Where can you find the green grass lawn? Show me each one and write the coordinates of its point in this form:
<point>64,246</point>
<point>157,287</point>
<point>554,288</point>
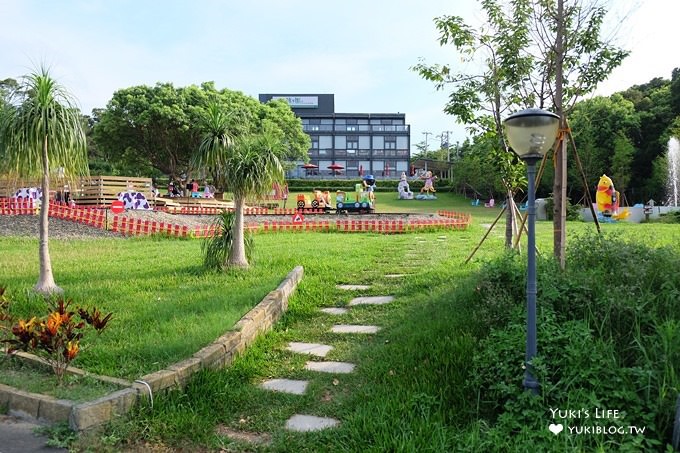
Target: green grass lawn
<point>165,308</point>
<point>393,401</point>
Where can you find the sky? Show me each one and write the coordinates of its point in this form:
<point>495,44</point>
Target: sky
<point>361,51</point>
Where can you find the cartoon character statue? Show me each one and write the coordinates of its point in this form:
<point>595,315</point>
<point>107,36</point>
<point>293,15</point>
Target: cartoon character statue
<point>369,186</point>
<point>429,182</point>
<point>428,187</point>
<point>403,188</point>
<point>607,197</point>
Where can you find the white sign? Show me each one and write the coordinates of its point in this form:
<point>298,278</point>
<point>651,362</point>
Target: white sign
<point>300,102</point>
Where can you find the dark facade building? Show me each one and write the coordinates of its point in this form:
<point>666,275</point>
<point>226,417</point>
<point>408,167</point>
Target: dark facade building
<point>361,143</point>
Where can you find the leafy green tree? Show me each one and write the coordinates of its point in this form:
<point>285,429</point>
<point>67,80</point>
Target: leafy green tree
<point>40,131</point>
<point>158,128</point>
<point>7,87</point>
<point>652,103</point>
<point>144,127</point>
<point>675,91</point>
<point>596,123</point>
<point>278,118</point>
<point>622,160</point>
<point>248,164</point>
<point>481,100</point>
<point>533,53</point>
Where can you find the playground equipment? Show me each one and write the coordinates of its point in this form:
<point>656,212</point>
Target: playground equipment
<point>607,198</point>
<point>319,200</point>
<point>360,201</point>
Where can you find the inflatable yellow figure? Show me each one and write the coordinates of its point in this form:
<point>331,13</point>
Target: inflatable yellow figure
<point>607,197</point>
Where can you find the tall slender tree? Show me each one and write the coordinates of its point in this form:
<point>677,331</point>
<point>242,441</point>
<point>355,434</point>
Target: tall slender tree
<point>40,132</point>
<point>532,53</point>
<point>248,164</point>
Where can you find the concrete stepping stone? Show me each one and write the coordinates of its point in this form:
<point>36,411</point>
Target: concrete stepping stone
<point>286,386</point>
<point>306,423</point>
<point>319,350</point>
<point>353,287</point>
<point>330,367</point>
<point>395,275</point>
<point>350,328</point>
<point>334,310</point>
<point>371,300</point>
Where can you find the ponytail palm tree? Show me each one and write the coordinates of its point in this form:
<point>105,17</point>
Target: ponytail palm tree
<point>248,164</point>
<point>41,129</point>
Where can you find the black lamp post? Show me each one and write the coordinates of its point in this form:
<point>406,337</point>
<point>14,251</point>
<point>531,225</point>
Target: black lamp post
<point>531,133</point>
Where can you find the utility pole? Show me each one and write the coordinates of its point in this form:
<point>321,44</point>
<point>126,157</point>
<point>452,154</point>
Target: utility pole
<point>426,134</point>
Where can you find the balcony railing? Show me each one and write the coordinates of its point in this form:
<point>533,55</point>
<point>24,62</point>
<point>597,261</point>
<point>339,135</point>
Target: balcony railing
<point>355,128</point>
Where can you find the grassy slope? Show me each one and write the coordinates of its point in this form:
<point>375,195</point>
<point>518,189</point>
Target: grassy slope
<point>405,395</point>
<point>394,391</point>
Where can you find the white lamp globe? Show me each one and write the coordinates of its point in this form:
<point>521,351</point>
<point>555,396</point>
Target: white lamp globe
<point>531,132</point>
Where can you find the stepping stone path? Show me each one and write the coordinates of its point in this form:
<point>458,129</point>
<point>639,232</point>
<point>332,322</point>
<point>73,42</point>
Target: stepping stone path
<point>330,367</point>
<point>371,300</point>
<point>319,350</point>
<point>353,287</point>
<point>346,328</point>
<point>306,423</point>
<point>286,386</point>
<point>395,275</point>
<point>334,310</point>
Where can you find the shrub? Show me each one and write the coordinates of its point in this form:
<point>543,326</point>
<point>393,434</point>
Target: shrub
<point>608,337</point>
<point>216,249</point>
<point>56,337</point>
<point>573,210</point>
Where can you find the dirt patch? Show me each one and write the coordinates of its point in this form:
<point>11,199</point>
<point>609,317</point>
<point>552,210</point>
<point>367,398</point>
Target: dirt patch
<point>243,436</point>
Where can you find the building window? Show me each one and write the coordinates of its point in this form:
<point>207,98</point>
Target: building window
<point>315,142</point>
<point>340,142</point>
<point>352,142</point>
<point>325,141</point>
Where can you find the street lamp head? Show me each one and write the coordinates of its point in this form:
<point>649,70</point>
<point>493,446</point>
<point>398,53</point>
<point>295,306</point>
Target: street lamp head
<point>531,132</point>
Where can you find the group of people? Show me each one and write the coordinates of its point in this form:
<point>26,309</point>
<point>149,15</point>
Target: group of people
<point>191,190</point>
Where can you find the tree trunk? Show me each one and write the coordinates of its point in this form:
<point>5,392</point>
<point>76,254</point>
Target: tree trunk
<point>509,220</point>
<point>46,284</point>
<point>560,183</point>
<point>237,255</point>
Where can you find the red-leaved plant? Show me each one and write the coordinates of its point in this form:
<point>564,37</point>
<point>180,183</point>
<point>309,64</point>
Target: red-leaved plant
<point>55,338</point>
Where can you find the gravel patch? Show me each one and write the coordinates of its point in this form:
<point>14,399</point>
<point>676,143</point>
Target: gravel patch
<point>28,225</point>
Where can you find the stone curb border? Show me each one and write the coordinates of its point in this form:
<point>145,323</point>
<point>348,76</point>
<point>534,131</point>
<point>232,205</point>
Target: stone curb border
<point>218,354</point>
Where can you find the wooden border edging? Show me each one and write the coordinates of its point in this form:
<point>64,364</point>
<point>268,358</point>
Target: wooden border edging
<point>218,354</point>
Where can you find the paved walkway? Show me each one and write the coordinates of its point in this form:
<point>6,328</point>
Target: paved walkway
<point>16,436</point>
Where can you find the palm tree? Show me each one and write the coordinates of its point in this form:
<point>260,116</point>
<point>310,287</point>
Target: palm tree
<point>41,129</point>
<point>248,164</point>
